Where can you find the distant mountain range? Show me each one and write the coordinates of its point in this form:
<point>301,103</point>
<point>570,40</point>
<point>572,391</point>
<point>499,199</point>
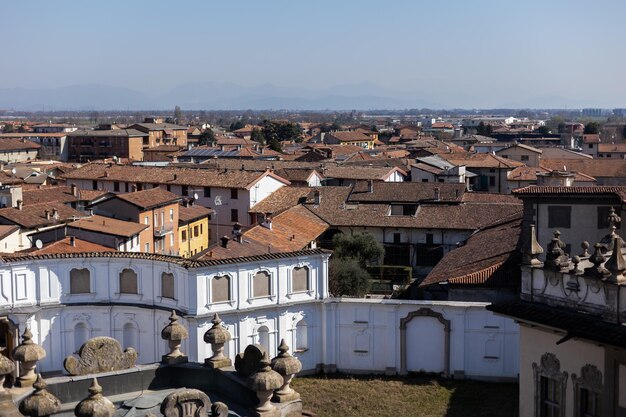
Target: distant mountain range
<point>211,96</point>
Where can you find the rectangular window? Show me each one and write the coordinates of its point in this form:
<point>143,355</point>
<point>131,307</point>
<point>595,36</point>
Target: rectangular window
<point>147,250</point>
<point>589,403</point>
<point>559,216</point>
<point>184,190</point>
<point>116,186</point>
<point>146,220</point>
<point>94,185</point>
<point>429,238</point>
<point>172,240</point>
<point>207,191</point>
<point>171,214</point>
<point>234,215</point>
<point>183,236</point>
<point>201,228</point>
<point>234,193</point>
<point>492,181</point>
<point>524,158</point>
<point>195,231</point>
<point>126,187</point>
<point>549,402</point>
<point>168,187</point>
<point>424,179</point>
<point>590,146</point>
<point>397,238</point>
<point>156,219</point>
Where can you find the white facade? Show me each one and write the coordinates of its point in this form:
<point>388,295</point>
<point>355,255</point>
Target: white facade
<point>354,335</point>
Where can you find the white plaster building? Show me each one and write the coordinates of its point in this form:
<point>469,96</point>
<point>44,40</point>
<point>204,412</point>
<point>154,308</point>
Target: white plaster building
<point>69,298</point>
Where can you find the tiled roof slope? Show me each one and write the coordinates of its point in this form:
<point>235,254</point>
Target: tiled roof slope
<point>594,167</point>
<point>108,226</point>
<point>34,215</point>
<point>617,190</point>
<point>489,257</point>
<point>481,160</point>
<point>9,144</point>
<point>281,200</point>
<point>146,199</point>
<point>169,175</point>
<point>46,194</point>
<point>183,262</point>
<point>407,192</point>
<point>193,212</point>
<point>65,246</point>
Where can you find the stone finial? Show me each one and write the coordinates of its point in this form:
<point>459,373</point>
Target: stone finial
<point>287,366</point>
<point>613,220</point>
<point>217,336</point>
<point>533,250</point>
<point>556,257</point>
<point>174,333</point>
<point>100,354</point>
<point>264,382</point>
<point>597,259</point>
<point>41,403</point>
<point>28,353</point>
<point>96,404</point>
<point>219,409</point>
<point>616,264</point>
<point>585,247</point>
<point>6,367</point>
<point>572,283</point>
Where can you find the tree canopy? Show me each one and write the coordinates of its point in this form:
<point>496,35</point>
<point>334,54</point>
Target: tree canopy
<point>257,136</point>
<point>347,273</point>
<point>592,128</point>
<point>484,129</point>
<point>207,137</point>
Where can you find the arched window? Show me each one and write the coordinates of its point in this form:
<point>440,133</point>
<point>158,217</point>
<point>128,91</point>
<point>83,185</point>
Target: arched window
<point>128,281</point>
<point>80,281</point>
<point>81,335</point>
<point>264,338</point>
<point>220,289</point>
<point>130,336</point>
<point>300,279</point>
<point>167,285</point>
<point>302,330</point>
<point>261,284</point>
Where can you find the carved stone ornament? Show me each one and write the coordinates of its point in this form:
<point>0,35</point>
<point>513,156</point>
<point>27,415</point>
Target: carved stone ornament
<point>96,404</point>
<point>532,250</point>
<point>248,362</point>
<point>597,259</point>
<point>174,333</point>
<point>264,382</point>
<point>590,379</point>
<point>556,258</point>
<point>28,353</point>
<point>219,409</point>
<point>616,264</point>
<point>6,367</point>
<point>100,354</point>
<point>186,402</point>
<point>287,366</point>
<point>217,336</point>
<point>41,403</point>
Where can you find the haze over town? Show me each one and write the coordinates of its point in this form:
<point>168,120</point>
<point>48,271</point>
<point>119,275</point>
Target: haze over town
<point>313,55</point>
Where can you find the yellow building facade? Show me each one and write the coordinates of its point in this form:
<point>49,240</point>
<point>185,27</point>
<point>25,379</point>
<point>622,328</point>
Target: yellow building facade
<point>193,230</point>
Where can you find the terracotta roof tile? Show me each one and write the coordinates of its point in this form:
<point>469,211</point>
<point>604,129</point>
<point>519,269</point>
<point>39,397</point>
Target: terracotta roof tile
<point>596,168</point>
<point>65,246</point>
<point>8,144</point>
<point>146,199</point>
<point>108,226</point>
<point>46,194</point>
<point>281,199</point>
<point>187,214</point>
<point>34,215</point>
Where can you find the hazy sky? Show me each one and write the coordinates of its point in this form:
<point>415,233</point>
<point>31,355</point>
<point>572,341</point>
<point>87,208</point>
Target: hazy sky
<point>457,51</point>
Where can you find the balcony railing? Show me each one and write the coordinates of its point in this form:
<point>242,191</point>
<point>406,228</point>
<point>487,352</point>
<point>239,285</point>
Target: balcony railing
<point>160,231</point>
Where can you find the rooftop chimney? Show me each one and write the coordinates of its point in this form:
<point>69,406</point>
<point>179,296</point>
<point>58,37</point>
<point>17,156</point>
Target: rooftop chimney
<point>72,241</point>
<point>437,194</point>
<point>175,177</point>
<point>370,186</point>
<point>224,241</point>
<point>267,223</point>
<point>20,204</point>
<point>317,197</point>
<point>133,188</point>
<point>55,214</point>
<point>74,189</point>
<point>47,214</point>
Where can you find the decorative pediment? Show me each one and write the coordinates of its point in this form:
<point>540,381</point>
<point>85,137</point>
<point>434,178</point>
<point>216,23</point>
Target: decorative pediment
<point>100,354</point>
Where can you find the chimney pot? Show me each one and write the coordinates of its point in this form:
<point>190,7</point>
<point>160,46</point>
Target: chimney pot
<point>20,204</point>
<point>72,241</point>
<point>74,189</point>
<point>224,241</point>
<point>317,197</point>
<point>437,194</point>
<point>370,186</point>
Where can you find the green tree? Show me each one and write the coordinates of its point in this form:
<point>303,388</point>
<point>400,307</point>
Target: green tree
<point>484,129</point>
<point>237,125</point>
<point>8,128</point>
<point>276,132</point>
<point>178,114</point>
<point>361,246</point>
<point>207,137</point>
<point>544,130</point>
<point>257,136</point>
<point>592,128</point>
<point>347,277</point>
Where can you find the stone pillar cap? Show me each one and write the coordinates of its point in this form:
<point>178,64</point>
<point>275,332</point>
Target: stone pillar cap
<point>284,363</point>
<point>174,331</point>
<point>41,403</point>
<point>28,351</point>
<point>95,405</point>
<point>265,379</point>
<point>217,333</point>
<point>6,365</point>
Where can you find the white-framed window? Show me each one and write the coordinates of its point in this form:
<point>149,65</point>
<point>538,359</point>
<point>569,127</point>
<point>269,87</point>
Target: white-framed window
<point>221,288</point>
<point>300,281</point>
<point>167,285</point>
<point>261,284</point>
<point>80,281</point>
<point>171,214</point>
<point>130,336</point>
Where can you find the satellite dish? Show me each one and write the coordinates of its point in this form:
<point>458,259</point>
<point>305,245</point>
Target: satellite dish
<point>13,171</point>
<point>195,196</point>
<point>218,200</point>
<point>39,244</point>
